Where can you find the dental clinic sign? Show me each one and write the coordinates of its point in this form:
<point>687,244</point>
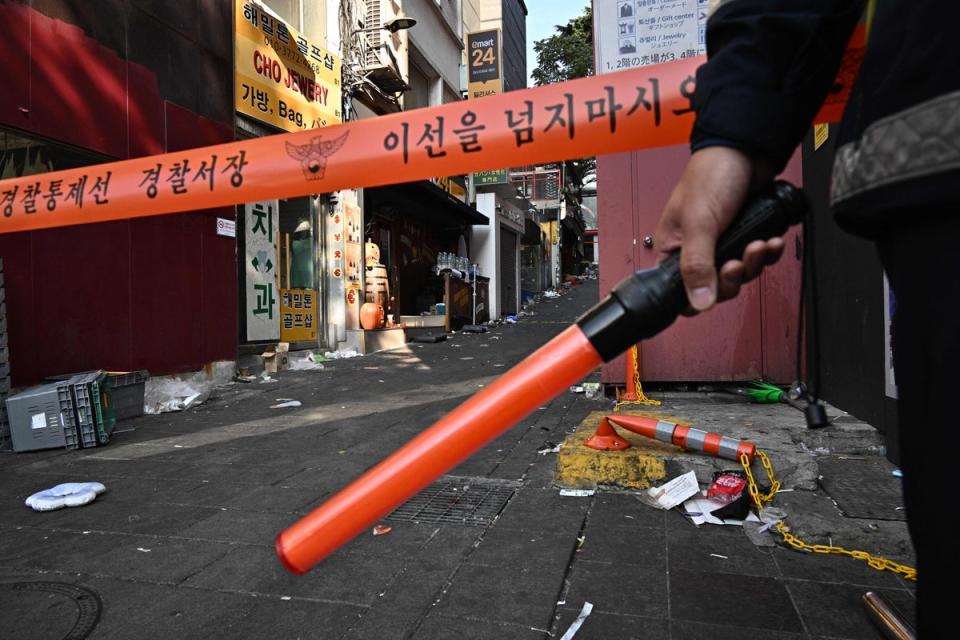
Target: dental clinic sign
<point>282,78</point>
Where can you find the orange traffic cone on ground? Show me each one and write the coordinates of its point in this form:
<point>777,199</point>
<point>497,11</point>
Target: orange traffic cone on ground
<point>681,435</point>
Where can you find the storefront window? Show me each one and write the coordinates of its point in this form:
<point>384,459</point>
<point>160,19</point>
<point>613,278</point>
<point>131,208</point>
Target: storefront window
<point>24,156</point>
<point>298,246</point>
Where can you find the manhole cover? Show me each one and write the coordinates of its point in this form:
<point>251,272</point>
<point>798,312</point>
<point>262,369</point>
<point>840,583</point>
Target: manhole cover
<point>47,610</point>
<point>458,500</point>
<point>863,488</point>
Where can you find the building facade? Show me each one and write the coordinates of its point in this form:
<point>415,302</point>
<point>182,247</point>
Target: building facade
<point>91,82</point>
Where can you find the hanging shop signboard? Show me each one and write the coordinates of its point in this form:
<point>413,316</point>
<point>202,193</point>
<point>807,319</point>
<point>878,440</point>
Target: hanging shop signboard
<point>298,315</point>
<point>637,34</point>
<point>484,73</point>
<point>260,223</point>
<point>282,77</point>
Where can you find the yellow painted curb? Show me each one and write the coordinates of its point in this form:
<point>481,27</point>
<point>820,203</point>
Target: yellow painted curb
<point>639,467</point>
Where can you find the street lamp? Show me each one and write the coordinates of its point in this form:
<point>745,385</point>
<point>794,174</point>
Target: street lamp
<point>399,24</point>
<point>395,25</point>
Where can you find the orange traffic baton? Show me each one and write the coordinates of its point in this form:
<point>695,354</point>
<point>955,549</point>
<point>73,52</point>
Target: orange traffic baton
<point>681,435</point>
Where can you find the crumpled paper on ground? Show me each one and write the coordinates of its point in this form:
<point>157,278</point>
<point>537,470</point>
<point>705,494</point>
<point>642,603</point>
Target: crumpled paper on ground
<point>162,395</point>
<point>338,355</point>
<point>307,363</point>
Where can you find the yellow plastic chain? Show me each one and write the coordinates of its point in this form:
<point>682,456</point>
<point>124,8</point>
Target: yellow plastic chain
<point>642,399</point>
<point>877,562</point>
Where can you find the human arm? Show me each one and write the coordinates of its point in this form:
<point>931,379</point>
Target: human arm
<point>771,63</point>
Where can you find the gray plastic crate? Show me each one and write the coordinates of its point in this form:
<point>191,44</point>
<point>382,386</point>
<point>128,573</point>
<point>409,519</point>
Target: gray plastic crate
<point>83,401</point>
<point>42,418</point>
<point>126,393</point>
<point>92,390</point>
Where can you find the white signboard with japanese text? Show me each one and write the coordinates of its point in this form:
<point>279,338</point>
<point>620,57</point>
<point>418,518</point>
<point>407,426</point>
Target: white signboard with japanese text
<point>637,33</point>
<point>260,224</point>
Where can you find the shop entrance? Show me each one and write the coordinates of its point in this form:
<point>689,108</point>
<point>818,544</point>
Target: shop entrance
<point>280,273</point>
<point>508,271</point>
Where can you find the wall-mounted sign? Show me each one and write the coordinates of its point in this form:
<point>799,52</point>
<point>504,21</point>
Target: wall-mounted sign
<point>353,262</point>
<point>260,224</point>
<point>454,185</point>
<point>484,73</point>
<point>298,315</point>
<point>282,78</point>
<point>636,34</point>
<point>226,228</point>
<point>497,176</point>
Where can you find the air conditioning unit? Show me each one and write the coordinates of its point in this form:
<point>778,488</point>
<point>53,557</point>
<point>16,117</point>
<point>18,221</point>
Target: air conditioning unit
<point>380,60</point>
<point>373,34</point>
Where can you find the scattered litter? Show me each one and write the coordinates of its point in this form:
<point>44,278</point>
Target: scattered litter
<point>339,355</point>
<point>141,549</point>
<point>247,378</point>
<point>379,380</point>
<point>717,555</point>
<point>68,494</point>
<point>499,365</point>
<point>672,493</point>
<point>577,389</point>
<point>580,541</point>
<point>759,534</point>
<point>381,530</point>
<point>265,378</point>
<point>342,452</point>
<point>163,395</point>
<point>727,486</point>
<point>510,319</point>
<point>285,598</point>
<point>577,493</point>
<point>551,294</point>
<point>307,363</point>
<point>897,473</point>
<point>467,358</point>
<point>285,403</point>
<point>549,447</point>
<point>591,390</point>
<point>576,624</point>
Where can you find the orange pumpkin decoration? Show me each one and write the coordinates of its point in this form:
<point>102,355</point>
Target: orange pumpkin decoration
<point>372,315</point>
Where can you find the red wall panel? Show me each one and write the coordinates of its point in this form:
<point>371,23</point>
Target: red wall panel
<point>15,61</point>
<point>81,302</point>
<point>78,88</point>
<point>743,339</point>
<point>157,293</point>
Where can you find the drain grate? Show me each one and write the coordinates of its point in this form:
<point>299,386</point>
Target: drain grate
<point>458,500</point>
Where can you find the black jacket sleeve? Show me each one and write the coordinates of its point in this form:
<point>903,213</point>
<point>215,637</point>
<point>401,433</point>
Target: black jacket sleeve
<point>770,66</point>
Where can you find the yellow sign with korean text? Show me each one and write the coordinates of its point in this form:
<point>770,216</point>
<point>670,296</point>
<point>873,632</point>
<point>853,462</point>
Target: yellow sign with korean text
<point>282,78</point>
<point>454,185</point>
<point>298,315</point>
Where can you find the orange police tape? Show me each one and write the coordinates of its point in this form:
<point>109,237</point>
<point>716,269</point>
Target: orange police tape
<point>636,109</point>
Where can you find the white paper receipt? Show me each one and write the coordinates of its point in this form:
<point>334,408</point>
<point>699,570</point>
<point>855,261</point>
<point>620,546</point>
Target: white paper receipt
<point>676,491</point>
<point>38,421</point>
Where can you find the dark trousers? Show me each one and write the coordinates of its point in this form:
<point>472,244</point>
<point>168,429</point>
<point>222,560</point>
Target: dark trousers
<point>922,261</point>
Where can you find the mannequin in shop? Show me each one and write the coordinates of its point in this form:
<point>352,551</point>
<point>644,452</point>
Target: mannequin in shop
<point>301,257</point>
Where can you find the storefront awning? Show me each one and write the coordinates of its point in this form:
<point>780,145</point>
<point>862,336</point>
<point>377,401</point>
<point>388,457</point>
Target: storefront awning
<point>426,201</point>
